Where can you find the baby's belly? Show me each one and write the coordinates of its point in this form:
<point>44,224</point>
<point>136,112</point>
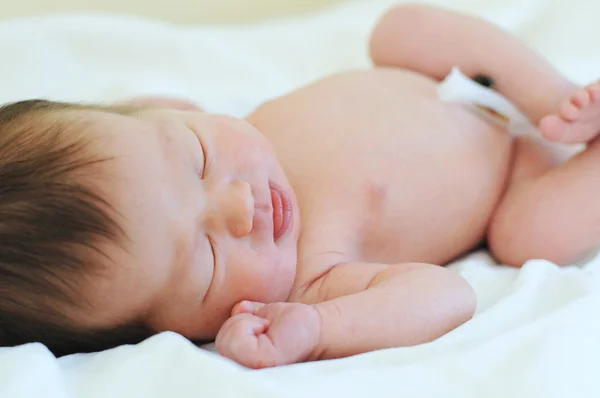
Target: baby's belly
<point>375,153</point>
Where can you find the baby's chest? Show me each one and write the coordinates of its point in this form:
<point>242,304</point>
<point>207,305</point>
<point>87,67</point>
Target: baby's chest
<point>368,127</point>
<point>401,191</point>
<point>386,170</point>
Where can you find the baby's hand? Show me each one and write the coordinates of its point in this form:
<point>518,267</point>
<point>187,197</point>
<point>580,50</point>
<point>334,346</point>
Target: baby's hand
<point>264,335</point>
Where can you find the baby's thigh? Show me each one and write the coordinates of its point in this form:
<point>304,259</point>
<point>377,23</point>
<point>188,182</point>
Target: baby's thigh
<point>549,208</point>
<point>534,157</point>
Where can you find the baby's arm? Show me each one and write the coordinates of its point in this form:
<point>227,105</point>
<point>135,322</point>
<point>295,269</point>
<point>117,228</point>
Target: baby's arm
<point>432,40</point>
<point>364,307</point>
<point>354,308</point>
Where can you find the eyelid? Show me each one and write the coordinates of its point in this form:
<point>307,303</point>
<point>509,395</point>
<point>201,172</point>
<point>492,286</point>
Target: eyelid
<point>212,248</point>
<point>204,152</point>
<point>213,251</point>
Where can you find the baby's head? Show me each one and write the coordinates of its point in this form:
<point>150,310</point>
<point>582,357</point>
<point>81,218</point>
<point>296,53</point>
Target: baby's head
<point>118,223</point>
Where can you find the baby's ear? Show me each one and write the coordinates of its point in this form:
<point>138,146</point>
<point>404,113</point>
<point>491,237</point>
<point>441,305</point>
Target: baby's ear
<point>161,102</point>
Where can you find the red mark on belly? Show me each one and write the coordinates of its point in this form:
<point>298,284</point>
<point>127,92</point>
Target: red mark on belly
<point>376,196</point>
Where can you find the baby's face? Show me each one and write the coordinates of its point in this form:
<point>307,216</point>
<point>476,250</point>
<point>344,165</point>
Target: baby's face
<point>210,218</point>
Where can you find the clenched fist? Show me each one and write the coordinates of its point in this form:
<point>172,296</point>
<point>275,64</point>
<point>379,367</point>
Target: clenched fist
<point>264,335</point>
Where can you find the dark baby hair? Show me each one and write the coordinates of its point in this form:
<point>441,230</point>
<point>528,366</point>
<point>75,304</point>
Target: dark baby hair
<point>52,221</point>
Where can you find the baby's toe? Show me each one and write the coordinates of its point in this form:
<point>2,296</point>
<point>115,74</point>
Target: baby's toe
<point>553,128</point>
<point>594,91</point>
<point>581,98</point>
<point>569,112</point>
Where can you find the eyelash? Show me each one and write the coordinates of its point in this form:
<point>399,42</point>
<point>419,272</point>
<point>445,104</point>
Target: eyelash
<point>212,249</point>
<point>205,162</point>
<point>201,172</point>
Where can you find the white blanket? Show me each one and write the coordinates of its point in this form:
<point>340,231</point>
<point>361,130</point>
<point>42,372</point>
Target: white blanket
<point>537,329</point>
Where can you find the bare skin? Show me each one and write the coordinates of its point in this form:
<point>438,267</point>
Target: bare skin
<point>577,119</point>
<point>385,182</point>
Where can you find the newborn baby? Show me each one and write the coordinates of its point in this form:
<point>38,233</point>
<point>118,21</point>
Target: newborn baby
<point>313,229</point>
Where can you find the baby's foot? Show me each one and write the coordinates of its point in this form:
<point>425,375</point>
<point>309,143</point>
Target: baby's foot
<point>578,120</point>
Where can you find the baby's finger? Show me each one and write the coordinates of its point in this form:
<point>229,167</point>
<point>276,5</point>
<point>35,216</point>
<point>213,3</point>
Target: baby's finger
<point>238,326</point>
<point>246,307</point>
<point>238,336</point>
<point>254,325</point>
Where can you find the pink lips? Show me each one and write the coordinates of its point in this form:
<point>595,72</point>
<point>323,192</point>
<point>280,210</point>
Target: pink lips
<point>282,211</point>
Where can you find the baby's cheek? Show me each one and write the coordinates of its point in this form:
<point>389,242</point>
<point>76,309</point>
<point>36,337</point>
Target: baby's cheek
<point>248,278</point>
<point>243,276</point>
<point>264,276</point>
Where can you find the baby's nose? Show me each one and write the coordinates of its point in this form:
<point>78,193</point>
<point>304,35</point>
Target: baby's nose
<point>235,208</point>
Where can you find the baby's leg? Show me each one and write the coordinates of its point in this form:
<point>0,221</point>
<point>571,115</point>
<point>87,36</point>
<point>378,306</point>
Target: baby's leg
<point>550,209</point>
<point>432,40</point>
<point>553,214</point>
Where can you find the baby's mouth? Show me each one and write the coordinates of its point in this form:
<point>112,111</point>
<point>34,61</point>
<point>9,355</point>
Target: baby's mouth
<point>282,211</point>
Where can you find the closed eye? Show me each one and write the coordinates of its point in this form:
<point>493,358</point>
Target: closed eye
<point>214,256</point>
<point>212,249</point>
<point>201,166</point>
